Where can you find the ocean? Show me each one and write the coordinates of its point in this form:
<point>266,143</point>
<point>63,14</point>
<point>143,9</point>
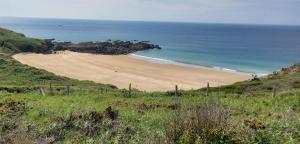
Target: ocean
<point>259,49</point>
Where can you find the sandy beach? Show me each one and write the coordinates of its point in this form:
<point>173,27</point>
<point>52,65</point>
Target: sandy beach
<point>122,69</point>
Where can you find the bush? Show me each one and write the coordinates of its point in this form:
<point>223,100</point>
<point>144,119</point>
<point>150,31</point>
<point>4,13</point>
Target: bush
<point>89,125</point>
<point>262,137</point>
<point>202,124</point>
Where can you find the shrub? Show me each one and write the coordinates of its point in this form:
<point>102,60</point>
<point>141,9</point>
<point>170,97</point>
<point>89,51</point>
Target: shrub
<point>262,137</point>
<point>202,124</point>
<point>89,125</point>
<point>255,123</point>
<point>10,112</point>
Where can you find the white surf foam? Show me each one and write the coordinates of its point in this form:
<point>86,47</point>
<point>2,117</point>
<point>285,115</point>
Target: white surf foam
<point>165,61</point>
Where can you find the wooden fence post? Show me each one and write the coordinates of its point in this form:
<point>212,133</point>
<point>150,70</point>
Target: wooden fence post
<point>50,88</point>
<point>176,90</point>
<point>207,89</point>
<point>68,89</point>
<point>42,92</point>
<point>219,90</point>
<point>274,92</point>
<point>129,90</point>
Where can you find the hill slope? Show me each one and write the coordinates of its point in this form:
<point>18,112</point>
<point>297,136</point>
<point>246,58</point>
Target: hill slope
<point>11,42</point>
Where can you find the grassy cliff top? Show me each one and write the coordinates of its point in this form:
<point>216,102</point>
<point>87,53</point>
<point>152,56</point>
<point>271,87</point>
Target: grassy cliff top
<point>11,42</point>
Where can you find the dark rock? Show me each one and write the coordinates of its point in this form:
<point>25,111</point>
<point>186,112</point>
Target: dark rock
<point>108,47</point>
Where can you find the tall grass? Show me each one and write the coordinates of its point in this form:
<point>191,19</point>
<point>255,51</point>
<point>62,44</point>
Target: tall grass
<point>207,123</point>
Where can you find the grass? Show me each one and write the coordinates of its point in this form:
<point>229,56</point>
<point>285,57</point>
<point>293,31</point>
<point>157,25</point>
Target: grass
<point>244,112</point>
<point>206,123</point>
<point>11,42</point>
<point>150,115</point>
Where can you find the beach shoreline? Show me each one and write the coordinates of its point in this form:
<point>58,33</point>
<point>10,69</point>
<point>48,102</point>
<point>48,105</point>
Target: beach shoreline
<point>165,61</point>
<point>120,70</point>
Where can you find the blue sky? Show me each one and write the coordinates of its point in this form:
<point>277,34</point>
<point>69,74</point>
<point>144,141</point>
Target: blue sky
<point>281,12</point>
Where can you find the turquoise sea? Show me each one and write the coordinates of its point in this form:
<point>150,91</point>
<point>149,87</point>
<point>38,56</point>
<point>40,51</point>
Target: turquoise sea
<point>258,49</point>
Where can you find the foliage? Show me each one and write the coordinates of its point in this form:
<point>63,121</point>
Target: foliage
<point>207,123</point>
<point>16,42</point>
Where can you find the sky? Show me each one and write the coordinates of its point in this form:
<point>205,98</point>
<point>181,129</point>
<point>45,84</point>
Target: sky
<point>276,12</point>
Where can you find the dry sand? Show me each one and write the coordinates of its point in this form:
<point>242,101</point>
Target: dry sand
<point>122,70</point>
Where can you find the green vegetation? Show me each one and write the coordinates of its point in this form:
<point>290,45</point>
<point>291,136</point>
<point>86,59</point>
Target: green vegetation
<point>244,112</point>
<point>11,42</point>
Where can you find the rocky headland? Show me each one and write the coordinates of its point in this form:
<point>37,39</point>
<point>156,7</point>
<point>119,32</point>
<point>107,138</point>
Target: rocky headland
<point>107,47</point>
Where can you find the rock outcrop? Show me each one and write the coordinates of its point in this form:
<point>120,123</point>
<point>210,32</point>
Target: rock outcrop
<point>107,47</point>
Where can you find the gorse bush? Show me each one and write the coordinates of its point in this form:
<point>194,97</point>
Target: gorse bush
<point>207,123</point>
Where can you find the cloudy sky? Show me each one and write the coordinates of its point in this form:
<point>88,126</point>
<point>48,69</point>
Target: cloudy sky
<point>221,11</point>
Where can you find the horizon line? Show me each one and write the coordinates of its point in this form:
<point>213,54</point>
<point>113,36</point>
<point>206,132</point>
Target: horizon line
<point>153,21</point>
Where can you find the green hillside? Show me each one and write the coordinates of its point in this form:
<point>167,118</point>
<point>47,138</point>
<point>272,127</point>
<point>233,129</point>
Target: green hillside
<point>245,112</point>
<point>11,42</point>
